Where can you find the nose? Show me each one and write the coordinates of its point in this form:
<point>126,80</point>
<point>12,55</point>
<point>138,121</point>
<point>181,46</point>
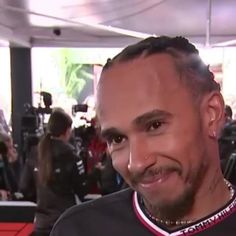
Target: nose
<point>140,156</point>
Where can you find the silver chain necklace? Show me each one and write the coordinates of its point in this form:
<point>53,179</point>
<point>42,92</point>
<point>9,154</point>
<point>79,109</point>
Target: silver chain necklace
<point>184,222</point>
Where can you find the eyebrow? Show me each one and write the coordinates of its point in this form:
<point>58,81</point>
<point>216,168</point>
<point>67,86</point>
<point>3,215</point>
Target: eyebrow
<point>138,121</point>
<point>106,133</point>
<point>158,114</point>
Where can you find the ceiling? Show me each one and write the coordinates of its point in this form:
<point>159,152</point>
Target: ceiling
<point>115,23</point>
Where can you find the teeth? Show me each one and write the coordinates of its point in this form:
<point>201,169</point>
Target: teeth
<point>156,175</point>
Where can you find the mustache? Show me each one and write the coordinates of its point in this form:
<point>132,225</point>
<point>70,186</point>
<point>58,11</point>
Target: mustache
<point>153,173</point>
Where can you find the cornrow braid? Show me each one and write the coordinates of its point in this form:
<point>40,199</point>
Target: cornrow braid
<point>192,69</point>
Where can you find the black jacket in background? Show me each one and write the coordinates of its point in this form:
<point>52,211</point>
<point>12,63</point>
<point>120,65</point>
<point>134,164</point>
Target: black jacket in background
<point>68,179</point>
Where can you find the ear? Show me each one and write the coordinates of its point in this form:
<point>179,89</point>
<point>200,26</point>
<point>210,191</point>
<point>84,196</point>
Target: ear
<point>213,114</point>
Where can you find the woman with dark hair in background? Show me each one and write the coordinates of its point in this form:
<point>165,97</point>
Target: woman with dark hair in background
<point>58,172</point>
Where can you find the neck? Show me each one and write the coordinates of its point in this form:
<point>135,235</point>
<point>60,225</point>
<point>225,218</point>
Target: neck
<point>220,190</point>
<point>216,188</point>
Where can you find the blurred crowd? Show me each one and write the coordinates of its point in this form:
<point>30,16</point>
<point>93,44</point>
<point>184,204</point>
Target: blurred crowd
<point>65,167</point>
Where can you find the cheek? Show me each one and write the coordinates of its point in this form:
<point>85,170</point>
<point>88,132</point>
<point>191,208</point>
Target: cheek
<point>189,150</point>
<point>181,147</point>
<point>120,160</point>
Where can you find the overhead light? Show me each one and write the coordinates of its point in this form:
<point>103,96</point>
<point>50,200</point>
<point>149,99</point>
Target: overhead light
<point>226,43</point>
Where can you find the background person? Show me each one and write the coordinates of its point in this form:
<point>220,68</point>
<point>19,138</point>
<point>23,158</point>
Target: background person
<point>58,174</point>
<point>228,114</point>
<point>10,168</point>
<point>227,146</point>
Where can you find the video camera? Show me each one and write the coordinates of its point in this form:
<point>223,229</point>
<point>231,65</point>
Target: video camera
<point>79,108</point>
<point>31,120</point>
<point>32,123</point>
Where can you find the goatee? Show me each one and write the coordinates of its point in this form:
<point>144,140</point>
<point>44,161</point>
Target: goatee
<point>174,210</point>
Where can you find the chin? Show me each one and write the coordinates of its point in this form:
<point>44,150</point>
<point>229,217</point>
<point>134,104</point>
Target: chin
<point>163,196</point>
<point>171,207</point>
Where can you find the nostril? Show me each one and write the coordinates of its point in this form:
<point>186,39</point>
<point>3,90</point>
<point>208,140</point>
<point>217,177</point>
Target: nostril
<point>141,162</point>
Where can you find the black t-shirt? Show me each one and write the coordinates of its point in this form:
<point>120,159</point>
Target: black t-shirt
<point>121,214</point>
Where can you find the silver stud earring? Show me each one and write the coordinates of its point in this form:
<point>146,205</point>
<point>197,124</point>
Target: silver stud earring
<point>213,134</point>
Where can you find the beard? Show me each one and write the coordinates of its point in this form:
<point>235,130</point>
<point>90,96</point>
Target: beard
<point>179,207</point>
<point>173,210</point>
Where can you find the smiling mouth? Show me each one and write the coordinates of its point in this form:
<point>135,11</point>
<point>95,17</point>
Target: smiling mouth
<point>157,178</point>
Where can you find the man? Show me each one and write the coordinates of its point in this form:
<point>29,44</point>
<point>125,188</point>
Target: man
<point>160,112</point>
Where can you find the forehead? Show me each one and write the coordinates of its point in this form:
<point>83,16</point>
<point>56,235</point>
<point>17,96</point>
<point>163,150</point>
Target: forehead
<point>138,86</point>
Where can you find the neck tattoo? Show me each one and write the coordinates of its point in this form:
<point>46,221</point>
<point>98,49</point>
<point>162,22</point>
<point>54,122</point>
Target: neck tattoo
<point>183,222</point>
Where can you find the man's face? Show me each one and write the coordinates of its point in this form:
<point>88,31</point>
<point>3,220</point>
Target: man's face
<point>153,129</point>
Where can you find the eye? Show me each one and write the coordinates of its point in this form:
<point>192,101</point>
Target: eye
<point>154,125</point>
<point>116,140</point>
